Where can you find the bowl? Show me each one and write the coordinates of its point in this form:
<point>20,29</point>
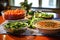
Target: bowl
<point>15,27</point>
<point>13,14</point>
<point>48,26</point>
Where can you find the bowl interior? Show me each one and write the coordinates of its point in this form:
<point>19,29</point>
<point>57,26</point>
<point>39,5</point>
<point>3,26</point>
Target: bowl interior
<point>50,25</point>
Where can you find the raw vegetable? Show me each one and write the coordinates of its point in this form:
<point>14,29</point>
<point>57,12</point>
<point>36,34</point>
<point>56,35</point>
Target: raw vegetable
<point>43,15</point>
<point>32,20</point>
<point>16,25</point>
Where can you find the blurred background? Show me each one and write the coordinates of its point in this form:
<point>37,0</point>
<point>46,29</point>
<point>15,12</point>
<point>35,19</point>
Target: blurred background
<point>42,5</point>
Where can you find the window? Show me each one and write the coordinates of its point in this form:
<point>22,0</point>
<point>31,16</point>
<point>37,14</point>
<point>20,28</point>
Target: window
<point>49,3</point>
<point>17,2</point>
<point>35,2</point>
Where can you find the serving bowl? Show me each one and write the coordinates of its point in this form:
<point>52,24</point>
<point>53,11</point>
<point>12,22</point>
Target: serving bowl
<point>48,26</point>
<point>15,27</point>
<point>13,14</point>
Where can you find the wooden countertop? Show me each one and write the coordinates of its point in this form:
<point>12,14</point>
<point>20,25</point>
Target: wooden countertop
<point>10,37</point>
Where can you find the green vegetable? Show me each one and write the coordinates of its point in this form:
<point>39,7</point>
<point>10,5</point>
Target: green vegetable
<point>43,15</point>
<point>32,20</point>
<point>31,13</point>
<point>25,5</point>
<point>16,25</point>
<point>31,26</point>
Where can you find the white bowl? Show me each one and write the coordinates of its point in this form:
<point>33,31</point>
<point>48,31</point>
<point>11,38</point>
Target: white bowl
<point>19,31</point>
<point>48,30</point>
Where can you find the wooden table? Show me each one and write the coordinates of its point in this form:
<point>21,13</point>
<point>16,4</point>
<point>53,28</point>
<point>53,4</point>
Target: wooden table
<point>10,37</point>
